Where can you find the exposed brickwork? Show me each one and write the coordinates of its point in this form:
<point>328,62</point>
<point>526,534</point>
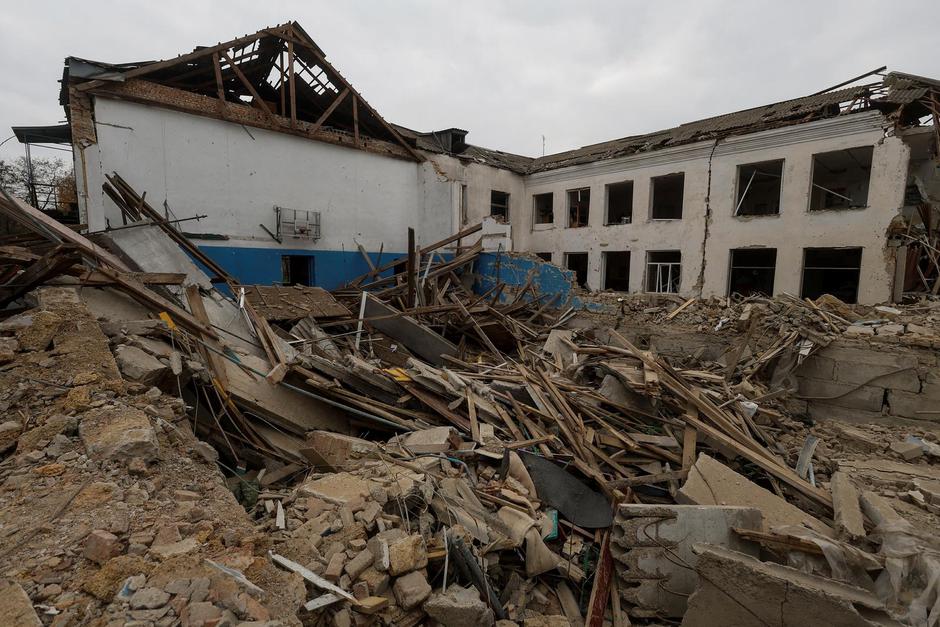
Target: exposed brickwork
<point>82,118</point>
<point>146,92</point>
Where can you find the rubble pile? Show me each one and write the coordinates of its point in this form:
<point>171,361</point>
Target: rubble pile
<point>824,319</point>
<point>179,449</point>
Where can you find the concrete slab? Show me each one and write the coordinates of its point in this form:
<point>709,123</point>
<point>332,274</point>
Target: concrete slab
<point>653,578</point>
<point>712,483</point>
<point>737,590</point>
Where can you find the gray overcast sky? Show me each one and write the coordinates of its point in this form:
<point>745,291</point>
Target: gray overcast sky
<point>509,72</point>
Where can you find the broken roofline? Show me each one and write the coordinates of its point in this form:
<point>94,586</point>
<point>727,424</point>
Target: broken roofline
<point>278,71</point>
<point>228,72</point>
<point>890,96</point>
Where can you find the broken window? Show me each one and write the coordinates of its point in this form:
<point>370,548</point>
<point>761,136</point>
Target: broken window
<point>619,203</point>
<point>663,271</point>
<point>759,188</point>
<point>578,263</point>
<point>840,179</point>
<point>297,269</point>
<point>666,196</point>
<point>617,270</point>
<point>579,207</point>
<point>543,209</point>
<point>544,256</point>
<point>752,271</point>
<point>832,271</point>
<point>499,204</point>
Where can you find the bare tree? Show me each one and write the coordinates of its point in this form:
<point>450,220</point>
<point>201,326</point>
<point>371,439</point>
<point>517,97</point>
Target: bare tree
<point>45,180</point>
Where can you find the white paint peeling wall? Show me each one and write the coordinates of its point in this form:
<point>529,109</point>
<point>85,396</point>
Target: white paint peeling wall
<point>789,232</point>
<point>236,175</point>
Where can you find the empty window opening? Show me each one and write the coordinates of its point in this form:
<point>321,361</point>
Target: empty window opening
<point>578,263</point>
<point>297,270</point>
<point>544,256</point>
<point>759,188</point>
<point>579,207</point>
<point>617,270</point>
<point>752,271</point>
<point>833,271</point>
<point>542,206</point>
<point>840,179</point>
<point>463,204</point>
<point>619,203</point>
<point>666,196</point>
<point>499,204</point>
<point>663,271</point>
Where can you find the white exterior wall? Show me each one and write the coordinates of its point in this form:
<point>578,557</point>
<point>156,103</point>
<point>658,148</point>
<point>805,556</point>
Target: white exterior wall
<point>789,232</point>
<point>236,175</point>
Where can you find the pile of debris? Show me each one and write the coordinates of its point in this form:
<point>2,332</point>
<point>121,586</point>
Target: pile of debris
<point>405,450</point>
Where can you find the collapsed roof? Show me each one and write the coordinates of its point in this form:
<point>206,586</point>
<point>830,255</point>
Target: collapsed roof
<point>283,72</point>
<point>280,71</point>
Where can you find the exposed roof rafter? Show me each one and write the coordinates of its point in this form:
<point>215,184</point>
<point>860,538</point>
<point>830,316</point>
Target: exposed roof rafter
<point>280,71</point>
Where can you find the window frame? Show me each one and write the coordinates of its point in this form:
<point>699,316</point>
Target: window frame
<point>578,190</point>
<point>739,200</point>
<point>659,264</point>
<point>652,201</point>
<point>505,216</point>
<point>535,210</point>
<point>607,187</point>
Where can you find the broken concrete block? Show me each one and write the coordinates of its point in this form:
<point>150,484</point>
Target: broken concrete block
<point>859,330</point>
<point>15,606</point>
<point>877,508</point>
<point>459,607</point>
<point>101,545</point>
<point>334,451</point>
<point>907,449</point>
<point>340,488</point>
<point>848,512</point>
<point>356,565</point>
<point>118,433</point>
<point>411,590</point>
<point>371,605</point>
<point>434,440</point>
<point>138,365</point>
<point>737,590</point>
<point>712,483</point>
<point>149,599</point>
<point>334,569</point>
<point>406,555</point>
<point>657,581</point>
<point>890,329</point>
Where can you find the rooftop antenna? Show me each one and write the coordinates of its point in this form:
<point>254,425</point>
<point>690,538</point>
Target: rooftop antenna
<point>543,145</point>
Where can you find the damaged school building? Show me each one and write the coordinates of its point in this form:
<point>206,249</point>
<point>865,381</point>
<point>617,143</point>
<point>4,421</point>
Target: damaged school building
<point>289,363</point>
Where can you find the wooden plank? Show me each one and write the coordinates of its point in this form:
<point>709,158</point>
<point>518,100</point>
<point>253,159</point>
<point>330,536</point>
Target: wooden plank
<point>659,477</point>
<point>689,438</point>
<point>675,312</point>
<point>256,98</point>
<point>410,269</point>
<point>38,222</point>
<point>329,110</point>
<point>93,277</point>
<point>49,265</point>
<point>158,303</point>
<point>312,577</point>
<point>600,593</point>
<point>472,412</point>
<point>214,361</point>
<point>355,107</point>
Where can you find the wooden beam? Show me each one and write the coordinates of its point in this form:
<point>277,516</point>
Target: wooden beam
<point>244,81</point>
<point>311,46</point>
<point>217,67</point>
<point>183,58</point>
<point>212,358</point>
<point>49,265</point>
<point>291,80</point>
<point>410,270</point>
<point>329,110</point>
<point>355,105</point>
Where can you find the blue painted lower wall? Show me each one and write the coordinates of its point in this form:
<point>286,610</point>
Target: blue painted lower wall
<point>262,266</point>
<point>515,270</point>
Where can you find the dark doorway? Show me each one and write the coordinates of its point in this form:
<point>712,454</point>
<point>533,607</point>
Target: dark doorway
<point>752,271</point>
<point>833,271</point>
<point>297,270</point>
<point>578,262</point>
<point>617,270</point>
